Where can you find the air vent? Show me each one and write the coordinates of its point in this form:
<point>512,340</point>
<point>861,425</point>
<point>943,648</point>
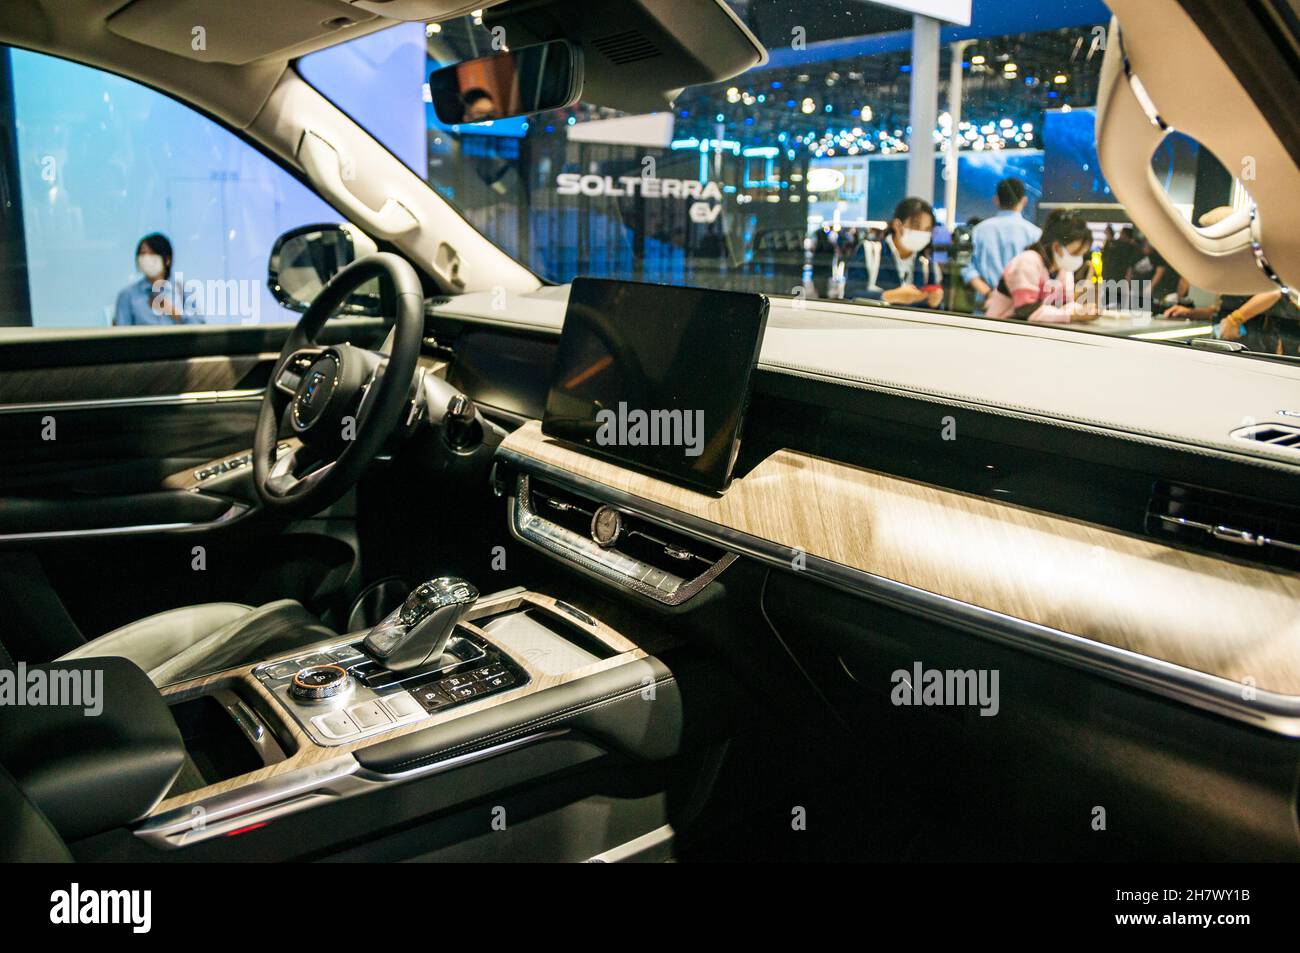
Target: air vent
<point>1285,436</point>
<point>1224,523</point>
<point>630,46</point>
<point>638,554</point>
<point>649,542</point>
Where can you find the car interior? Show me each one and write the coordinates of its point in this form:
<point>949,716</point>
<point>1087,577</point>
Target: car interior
<point>402,575</point>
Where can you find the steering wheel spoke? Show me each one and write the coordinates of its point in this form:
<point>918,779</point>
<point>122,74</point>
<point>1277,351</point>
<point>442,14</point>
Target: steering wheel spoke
<point>370,389</point>
<point>289,376</point>
<point>317,388</point>
<point>295,471</point>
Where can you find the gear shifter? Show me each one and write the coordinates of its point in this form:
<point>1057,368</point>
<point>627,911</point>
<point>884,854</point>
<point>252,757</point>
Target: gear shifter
<point>416,632</point>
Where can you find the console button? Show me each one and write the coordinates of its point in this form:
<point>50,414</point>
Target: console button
<point>639,571</point>
<point>311,661</point>
<point>432,697</point>
<point>465,691</point>
<point>282,670</point>
<point>369,714</point>
<point>337,724</point>
<point>401,705</point>
<point>457,681</point>
<point>654,577</point>
<point>669,583</point>
<point>504,680</point>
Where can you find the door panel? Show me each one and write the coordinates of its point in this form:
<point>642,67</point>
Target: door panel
<point>89,415</point>
<point>132,379</point>
<point>117,448</point>
<point>92,425</point>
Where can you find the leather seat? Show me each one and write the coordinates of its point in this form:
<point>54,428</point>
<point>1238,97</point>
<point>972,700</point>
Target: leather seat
<point>199,640</point>
<point>29,838</point>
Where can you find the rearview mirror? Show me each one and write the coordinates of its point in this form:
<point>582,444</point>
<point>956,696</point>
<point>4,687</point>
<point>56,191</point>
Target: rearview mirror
<point>528,80</point>
<point>303,260</point>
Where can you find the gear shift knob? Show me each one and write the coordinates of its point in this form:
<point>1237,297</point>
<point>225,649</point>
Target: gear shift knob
<point>416,632</point>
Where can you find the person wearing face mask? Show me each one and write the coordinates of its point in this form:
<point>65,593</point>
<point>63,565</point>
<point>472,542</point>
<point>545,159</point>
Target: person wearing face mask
<point>1038,284</point>
<point>896,269</point>
<point>995,241</point>
<point>151,298</point>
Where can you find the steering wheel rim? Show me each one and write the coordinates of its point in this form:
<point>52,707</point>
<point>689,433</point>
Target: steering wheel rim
<point>368,388</point>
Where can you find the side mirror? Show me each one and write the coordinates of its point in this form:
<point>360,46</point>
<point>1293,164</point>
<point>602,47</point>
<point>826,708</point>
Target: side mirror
<point>531,79</point>
<point>304,259</point>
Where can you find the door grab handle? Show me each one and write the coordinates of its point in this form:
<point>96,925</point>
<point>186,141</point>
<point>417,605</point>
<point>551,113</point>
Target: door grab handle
<point>321,162</point>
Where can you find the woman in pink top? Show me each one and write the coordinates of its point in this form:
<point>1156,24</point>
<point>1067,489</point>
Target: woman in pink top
<point>1038,284</point>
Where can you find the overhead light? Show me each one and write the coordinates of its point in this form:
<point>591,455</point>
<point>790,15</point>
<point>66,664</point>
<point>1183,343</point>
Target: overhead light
<point>867,114</point>
<point>1010,68</point>
<point>430,29</point>
<point>1060,79</point>
<point>978,60</point>
<point>808,106</point>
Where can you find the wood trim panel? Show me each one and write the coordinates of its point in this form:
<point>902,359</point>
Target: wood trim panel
<point>1212,615</point>
<point>141,379</point>
<point>303,752</point>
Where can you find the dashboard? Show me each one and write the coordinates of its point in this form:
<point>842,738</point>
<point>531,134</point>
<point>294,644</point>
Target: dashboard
<point>1067,538</point>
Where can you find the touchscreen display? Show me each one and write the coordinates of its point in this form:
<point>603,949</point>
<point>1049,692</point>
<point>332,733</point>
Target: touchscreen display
<point>656,377</point>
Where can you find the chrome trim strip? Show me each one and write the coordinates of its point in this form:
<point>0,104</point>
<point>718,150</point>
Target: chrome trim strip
<point>1271,711</point>
<point>1257,248</point>
<point>161,400</point>
<point>1229,534</point>
<point>653,845</point>
<point>260,802</point>
<point>1139,91</point>
<point>235,511</point>
<point>438,767</point>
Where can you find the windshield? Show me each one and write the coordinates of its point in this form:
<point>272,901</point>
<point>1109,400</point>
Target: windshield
<point>802,177</point>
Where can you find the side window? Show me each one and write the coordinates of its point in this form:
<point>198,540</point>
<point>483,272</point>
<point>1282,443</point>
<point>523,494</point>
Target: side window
<point>123,206</point>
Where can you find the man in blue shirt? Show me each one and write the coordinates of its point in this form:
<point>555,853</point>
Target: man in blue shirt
<point>999,239</point>
<point>152,298</point>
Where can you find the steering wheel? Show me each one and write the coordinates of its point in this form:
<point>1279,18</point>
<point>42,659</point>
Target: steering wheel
<point>341,402</point>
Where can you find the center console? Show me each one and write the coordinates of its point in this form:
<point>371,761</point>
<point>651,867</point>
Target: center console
<point>337,694</point>
<point>446,681</point>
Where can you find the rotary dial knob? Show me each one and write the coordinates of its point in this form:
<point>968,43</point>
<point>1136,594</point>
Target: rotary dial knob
<point>319,682</point>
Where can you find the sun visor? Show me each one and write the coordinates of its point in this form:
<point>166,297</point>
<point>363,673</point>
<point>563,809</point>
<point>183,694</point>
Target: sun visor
<point>218,31</point>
